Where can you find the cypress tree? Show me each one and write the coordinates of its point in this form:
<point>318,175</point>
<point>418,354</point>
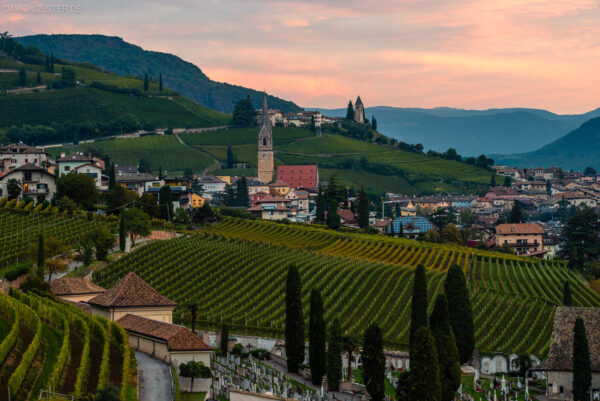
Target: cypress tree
<point>401,232</point>
<point>38,78</point>
<point>424,368</point>
<point>445,345</point>
<point>294,321</point>
<point>224,339</point>
<point>460,312</point>
<point>567,294</point>
<point>418,312</point>
<point>333,218</point>
<point>241,196</point>
<point>350,111</point>
<point>160,82</point>
<point>40,257</point>
<point>230,157</point>
<point>122,232</point>
<point>22,77</point>
<point>582,370</point>
<point>363,209</point>
<point>47,64</point>
<point>334,356</point>
<point>391,231</point>
<point>112,179</point>
<point>320,206</point>
<point>374,362</point>
<point>146,83</point>
<point>165,200</point>
<point>374,123</point>
<point>316,338</point>
<point>52,63</point>
<point>493,183</point>
<point>516,215</point>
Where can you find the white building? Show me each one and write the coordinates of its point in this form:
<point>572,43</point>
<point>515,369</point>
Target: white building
<point>36,182</point>
<point>16,155</point>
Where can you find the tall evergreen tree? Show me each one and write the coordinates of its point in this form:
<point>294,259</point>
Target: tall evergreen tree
<point>567,294</point>
<point>320,212</point>
<point>373,123</point>
<point>146,82</point>
<point>445,345</point>
<point>112,179</point>
<point>312,123</point>
<point>224,339</point>
<point>493,183</point>
<point>38,78</point>
<point>41,257</point>
<point>230,157</point>
<point>363,209</point>
<point>582,369</point>
<point>391,230</point>
<point>350,111</point>
<point>52,63</point>
<point>334,356</point>
<point>460,312</point>
<point>244,113</point>
<point>333,218</point>
<point>317,338</point>
<point>161,174</point>
<point>516,215</point>
<point>47,64</point>
<point>160,87</point>
<point>22,77</point>
<point>165,201</point>
<point>507,182</point>
<point>374,362</point>
<point>122,232</point>
<point>294,321</point>
<point>424,368</point>
<point>418,312</point>
<point>242,198</point>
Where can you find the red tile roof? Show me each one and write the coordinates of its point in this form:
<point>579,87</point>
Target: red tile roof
<point>299,176</point>
<point>130,291</point>
<point>74,286</point>
<point>178,338</point>
<point>523,228</point>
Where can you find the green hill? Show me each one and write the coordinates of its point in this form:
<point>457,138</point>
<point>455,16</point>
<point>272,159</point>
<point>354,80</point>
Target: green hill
<point>357,163</point>
<point>126,59</point>
<point>363,279</point>
<point>100,104</point>
<point>575,151</point>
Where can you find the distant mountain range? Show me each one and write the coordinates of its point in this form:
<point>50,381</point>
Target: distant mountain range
<point>473,132</point>
<point>575,151</point>
<point>115,55</point>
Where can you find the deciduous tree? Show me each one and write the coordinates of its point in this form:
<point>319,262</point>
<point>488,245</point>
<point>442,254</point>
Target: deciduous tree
<point>137,223</point>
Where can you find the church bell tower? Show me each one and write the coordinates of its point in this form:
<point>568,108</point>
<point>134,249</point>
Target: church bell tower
<point>265,146</point>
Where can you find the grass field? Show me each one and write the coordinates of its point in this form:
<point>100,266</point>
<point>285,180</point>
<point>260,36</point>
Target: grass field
<point>245,136</point>
<point>363,179</point>
<point>161,150</point>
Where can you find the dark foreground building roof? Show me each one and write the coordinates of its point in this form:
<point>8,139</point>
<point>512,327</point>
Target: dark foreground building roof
<point>131,291</point>
<point>177,338</point>
<point>560,355</point>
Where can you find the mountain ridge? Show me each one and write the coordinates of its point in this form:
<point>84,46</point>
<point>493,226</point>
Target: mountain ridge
<point>123,58</point>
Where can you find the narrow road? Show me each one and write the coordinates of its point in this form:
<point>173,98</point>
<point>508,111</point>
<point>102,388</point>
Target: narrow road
<point>155,379</point>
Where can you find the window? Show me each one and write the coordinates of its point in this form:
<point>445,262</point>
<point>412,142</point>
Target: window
<point>67,168</point>
<point>42,186</point>
<point>264,141</point>
<point>27,176</point>
<point>26,160</point>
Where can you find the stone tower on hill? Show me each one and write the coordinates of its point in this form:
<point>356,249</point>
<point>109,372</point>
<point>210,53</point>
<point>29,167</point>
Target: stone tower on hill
<point>265,146</point>
<point>359,111</point>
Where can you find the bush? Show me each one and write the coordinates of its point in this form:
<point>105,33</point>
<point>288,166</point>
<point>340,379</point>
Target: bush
<point>17,271</point>
<point>237,349</point>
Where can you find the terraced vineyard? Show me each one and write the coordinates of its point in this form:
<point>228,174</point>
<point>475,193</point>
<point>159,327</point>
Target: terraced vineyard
<point>242,282</point>
<point>52,345</point>
<point>21,224</point>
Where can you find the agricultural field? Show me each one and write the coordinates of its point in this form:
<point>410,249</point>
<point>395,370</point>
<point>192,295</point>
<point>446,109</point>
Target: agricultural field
<point>22,223</point>
<point>52,345</point>
<point>362,281</point>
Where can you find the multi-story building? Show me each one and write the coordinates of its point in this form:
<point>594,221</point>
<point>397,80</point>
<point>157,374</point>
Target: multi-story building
<point>81,164</point>
<point>35,182</point>
<point>524,238</point>
<point>16,155</point>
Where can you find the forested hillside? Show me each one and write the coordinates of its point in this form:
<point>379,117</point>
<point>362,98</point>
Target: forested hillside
<point>125,59</point>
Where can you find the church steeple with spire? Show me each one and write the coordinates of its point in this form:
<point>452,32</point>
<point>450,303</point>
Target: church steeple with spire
<point>359,111</point>
<point>265,146</point>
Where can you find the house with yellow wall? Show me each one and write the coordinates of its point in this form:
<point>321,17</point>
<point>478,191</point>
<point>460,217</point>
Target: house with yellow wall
<point>196,201</point>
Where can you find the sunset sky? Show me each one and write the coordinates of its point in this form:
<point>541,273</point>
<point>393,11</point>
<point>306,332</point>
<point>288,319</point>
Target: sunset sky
<point>457,53</point>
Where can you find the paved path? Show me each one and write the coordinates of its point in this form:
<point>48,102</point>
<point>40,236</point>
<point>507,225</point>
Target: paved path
<point>155,379</point>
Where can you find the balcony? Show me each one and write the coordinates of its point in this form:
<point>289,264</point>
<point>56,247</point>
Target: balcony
<point>35,191</point>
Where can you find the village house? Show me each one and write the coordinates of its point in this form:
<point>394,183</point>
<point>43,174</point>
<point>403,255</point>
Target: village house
<point>75,289</point>
<point>279,188</point>
<point>410,226</point>
<point>16,155</point>
<point>196,201</point>
<point>304,176</point>
<point>530,185</point>
<point>170,343</point>
<point>138,182</point>
<point>524,238</point>
<point>35,181</point>
<point>558,367</point>
<point>272,208</point>
<point>132,295</point>
<point>211,186</point>
<point>82,164</point>
<point>577,199</point>
<point>432,203</point>
<point>256,187</point>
